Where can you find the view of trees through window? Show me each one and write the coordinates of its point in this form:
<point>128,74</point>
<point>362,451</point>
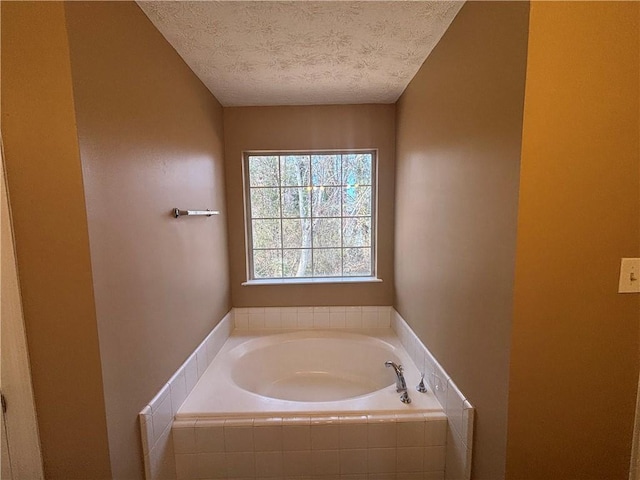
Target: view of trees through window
<point>311,215</point>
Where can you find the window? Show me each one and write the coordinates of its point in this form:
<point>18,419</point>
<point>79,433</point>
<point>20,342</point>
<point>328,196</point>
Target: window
<point>310,215</point>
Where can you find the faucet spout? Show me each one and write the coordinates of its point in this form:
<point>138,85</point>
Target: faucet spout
<point>401,385</point>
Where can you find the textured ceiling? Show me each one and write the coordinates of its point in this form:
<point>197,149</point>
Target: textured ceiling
<point>303,52</point>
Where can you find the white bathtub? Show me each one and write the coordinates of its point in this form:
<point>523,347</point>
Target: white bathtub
<point>267,374</point>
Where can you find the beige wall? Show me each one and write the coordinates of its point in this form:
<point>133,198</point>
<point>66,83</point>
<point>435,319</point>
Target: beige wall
<point>116,292</point>
<point>574,361</point>
<point>302,128</point>
<point>458,149</point>
<point>52,243</point>
<point>150,138</point>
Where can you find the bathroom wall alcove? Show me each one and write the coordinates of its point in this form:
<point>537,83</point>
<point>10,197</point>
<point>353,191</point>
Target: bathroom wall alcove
<point>494,192</point>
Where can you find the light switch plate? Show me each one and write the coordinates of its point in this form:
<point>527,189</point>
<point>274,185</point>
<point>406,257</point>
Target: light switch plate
<point>629,275</point>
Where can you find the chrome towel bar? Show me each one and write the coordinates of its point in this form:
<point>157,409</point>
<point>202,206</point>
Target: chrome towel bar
<point>180,213</point>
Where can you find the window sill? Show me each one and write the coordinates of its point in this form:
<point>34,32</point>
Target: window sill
<point>311,281</point>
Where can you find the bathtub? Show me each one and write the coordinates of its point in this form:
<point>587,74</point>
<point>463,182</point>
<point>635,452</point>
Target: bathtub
<point>310,372</point>
<point>302,404</point>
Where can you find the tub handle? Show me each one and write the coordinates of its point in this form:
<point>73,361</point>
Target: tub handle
<point>421,387</point>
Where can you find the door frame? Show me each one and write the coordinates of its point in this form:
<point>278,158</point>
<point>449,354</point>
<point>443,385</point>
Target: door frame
<point>22,443</point>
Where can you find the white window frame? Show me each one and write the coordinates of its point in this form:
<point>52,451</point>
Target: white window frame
<point>251,280</point>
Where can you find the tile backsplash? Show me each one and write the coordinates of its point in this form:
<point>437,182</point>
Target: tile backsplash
<point>257,318</point>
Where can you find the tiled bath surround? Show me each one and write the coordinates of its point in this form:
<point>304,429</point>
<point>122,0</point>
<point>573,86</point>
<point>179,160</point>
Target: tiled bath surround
<point>156,418</point>
<point>312,317</point>
<point>381,447</point>
<point>459,411</point>
<point>355,447</point>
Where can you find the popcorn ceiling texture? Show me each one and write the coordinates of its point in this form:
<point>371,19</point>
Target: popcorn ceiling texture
<point>303,52</point>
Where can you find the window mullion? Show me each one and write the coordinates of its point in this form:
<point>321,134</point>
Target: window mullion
<point>281,223</point>
<point>311,232</point>
<point>341,183</point>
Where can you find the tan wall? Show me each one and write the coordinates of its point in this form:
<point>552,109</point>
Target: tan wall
<point>458,150</point>
<point>150,138</point>
<point>52,242</point>
<point>574,361</point>
<point>301,128</point>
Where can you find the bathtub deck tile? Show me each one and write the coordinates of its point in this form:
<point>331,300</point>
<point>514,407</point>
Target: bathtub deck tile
<point>241,320</point>
<point>381,460</point>
<point>296,437</point>
<point>162,457</point>
<point>305,319</point>
<point>321,320</point>
<point>272,317</point>
<point>369,318</point>
<point>297,463</point>
<point>240,464</point>
<point>209,422</point>
<point>202,362</point>
<point>325,462</point>
<point>186,466</point>
<point>468,416</point>
<point>325,436</point>
<point>409,417</point>
<point>411,434</point>
<point>298,420</point>
<point>353,435</point>
<point>324,420</point>
<point>435,432</point>
<point>410,476</point>
<point>433,475</point>
<point>146,430</point>
<point>238,422</point>
<point>382,435</point>
<point>381,417</point>
<point>211,465</point>
<point>454,406</point>
<point>434,458</point>
<point>161,416</point>
<point>358,419</point>
<point>238,439</point>
<point>410,459</point>
<point>269,465</point>
<point>191,372</point>
<point>289,317</point>
<point>353,318</point>
<point>267,422</point>
<point>337,319</point>
<point>209,439</point>
<point>267,438</point>
<point>384,317</point>
<point>184,439</point>
<point>178,391</point>
<point>256,321</point>
<point>353,461</point>
<point>383,476</point>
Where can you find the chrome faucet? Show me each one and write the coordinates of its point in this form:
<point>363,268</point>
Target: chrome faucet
<point>401,385</point>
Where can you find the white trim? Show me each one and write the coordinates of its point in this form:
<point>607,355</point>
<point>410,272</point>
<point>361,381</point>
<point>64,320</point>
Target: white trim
<point>309,280</point>
<point>634,468</point>
<point>21,444</point>
<point>248,219</point>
